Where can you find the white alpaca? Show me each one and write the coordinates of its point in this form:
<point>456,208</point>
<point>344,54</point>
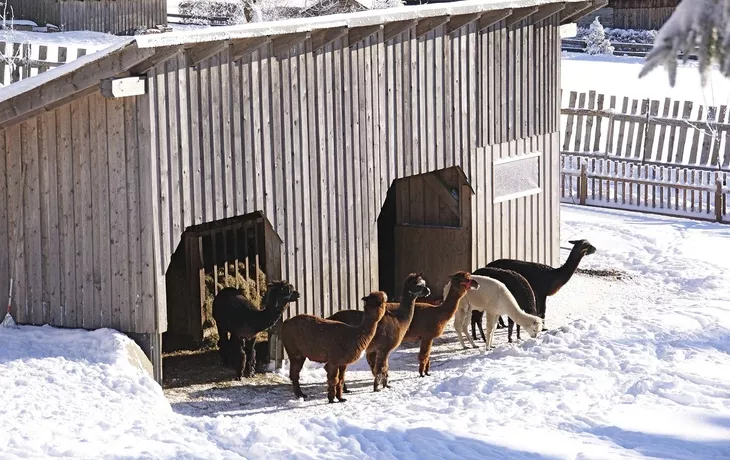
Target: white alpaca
<point>494,299</point>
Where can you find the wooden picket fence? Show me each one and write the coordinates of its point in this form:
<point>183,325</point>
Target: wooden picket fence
<point>19,61</point>
<point>656,132</point>
<point>658,189</point>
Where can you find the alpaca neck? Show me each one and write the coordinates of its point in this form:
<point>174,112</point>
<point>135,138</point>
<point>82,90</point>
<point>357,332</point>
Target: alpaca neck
<point>366,329</point>
<point>406,307</point>
<point>272,311</point>
<point>451,302</point>
<point>565,272</point>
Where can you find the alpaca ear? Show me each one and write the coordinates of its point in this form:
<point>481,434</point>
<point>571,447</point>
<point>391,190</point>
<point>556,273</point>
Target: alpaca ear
<point>365,298</point>
<point>573,241</point>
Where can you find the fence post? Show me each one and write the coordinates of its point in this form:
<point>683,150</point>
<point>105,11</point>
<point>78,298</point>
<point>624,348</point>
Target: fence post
<point>719,200</point>
<point>583,185</point>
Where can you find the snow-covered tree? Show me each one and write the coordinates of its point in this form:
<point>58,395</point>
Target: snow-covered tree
<point>596,42</point>
<point>695,23</point>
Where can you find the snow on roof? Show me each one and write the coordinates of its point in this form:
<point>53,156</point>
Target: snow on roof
<point>364,18</point>
<point>16,89</point>
<point>90,41</point>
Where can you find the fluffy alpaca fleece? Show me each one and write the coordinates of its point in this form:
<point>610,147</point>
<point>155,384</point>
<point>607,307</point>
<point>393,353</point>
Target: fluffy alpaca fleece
<point>494,299</point>
<point>331,342</point>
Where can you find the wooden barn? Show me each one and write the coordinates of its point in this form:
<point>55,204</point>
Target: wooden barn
<point>112,16</point>
<point>633,14</point>
<point>338,152</point>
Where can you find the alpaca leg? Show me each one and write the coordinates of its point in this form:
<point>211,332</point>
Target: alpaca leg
<point>424,357</point>
<point>474,319</point>
<point>541,307</point>
<point>250,351</point>
<point>295,367</point>
<point>500,322</point>
<point>381,368</point>
<point>332,380</point>
<point>491,324</point>
<point>465,330</point>
<point>340,383</point>
<point>384,380</point>
<point>460,319</point>
<point>518,332</point>
<point>481,330</point>
<point>511,325</point>
<point>238,354</point>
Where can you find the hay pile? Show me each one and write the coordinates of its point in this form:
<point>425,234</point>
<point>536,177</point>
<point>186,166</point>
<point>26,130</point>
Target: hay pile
<point>236,277</point>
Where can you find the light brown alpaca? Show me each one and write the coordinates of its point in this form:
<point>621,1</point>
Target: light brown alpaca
<point>331,342</point>
<point>429,321</point>
<point>391,329</point>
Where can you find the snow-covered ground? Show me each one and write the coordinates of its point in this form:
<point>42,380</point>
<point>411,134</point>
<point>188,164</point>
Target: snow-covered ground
<point>90,41</point>
<point>618,75</point>
<point>633,367</point>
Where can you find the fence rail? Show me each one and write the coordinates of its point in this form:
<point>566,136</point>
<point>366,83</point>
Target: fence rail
<point>578,45</point>
<point>684,192</point>
<point>650,131</point>
<point>19,61</point>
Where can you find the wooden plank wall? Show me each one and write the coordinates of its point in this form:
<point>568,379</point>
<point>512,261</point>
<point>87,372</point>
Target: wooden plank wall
<point>314,140</point>
<point>112,16</point>
<point>641,18</point>
<point>81,236</point>
<point>42,12</point>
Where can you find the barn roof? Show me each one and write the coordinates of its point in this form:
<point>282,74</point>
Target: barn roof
<point>137,55</point>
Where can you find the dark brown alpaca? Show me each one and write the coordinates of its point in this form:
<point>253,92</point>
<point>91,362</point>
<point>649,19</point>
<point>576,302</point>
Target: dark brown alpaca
<point>544,279</point>
<point>391,329</point>
<point>429,321</point>
<point>331,342</point>
<point>234,314</point>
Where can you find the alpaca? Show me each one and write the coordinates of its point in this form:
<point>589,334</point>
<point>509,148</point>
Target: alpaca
<point>235,314</point>
<point>495,299</point>
<point>544,279</point>
<point>391,328</point>
<point>520,289</point>
<point>331,342</point>
<point>429,321</point>
<point>476,321</point>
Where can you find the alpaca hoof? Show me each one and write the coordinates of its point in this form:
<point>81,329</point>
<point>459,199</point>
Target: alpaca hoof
<point>341,399</point>
<point>375,390</point>
<point>475,346</point>
<point>385,385</point>
<point>331,401</point>
<point>346,390</point>
<point>427,374</point>
<point>509,340</point>
<point>544,329</point>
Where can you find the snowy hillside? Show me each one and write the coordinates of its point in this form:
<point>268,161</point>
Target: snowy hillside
<point>635,367</point>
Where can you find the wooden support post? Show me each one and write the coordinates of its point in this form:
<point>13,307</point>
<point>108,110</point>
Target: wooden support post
<point>394,29</point>
<point>321,38</point>
<point>284,43</point>
<point>492,18</point>
<point>243,47</point>
<point>518,14</point>
<point>425,26</point>
<point>457,22</point>
<point>719,199</point>
<point>583,184</point>
<point>547,11</point>
<point>357,34</point>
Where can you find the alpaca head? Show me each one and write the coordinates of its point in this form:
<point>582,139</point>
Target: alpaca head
<point>281,293</point>
<point>375,304</point>
<point>583,247</point>
<point>463,281</point>
<point>535,328</point>
<point>416,285</point>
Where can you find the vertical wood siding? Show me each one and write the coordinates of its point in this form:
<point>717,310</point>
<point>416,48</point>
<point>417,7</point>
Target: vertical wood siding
<point>112,16</point>
<point>314,140</point>
<point>77,223</point>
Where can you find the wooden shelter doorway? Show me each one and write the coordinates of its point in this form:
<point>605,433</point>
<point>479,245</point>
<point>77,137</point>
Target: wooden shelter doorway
<point>243,252</point>
<point>425,226</point>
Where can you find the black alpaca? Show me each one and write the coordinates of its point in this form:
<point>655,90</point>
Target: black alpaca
<point>544,279</point>
<point>521,291</point>
<point>235,314</point>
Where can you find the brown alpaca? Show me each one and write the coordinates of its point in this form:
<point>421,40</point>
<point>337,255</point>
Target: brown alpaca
<point>331,342</point>
<point>391,329</point>
<point>429,321</point>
